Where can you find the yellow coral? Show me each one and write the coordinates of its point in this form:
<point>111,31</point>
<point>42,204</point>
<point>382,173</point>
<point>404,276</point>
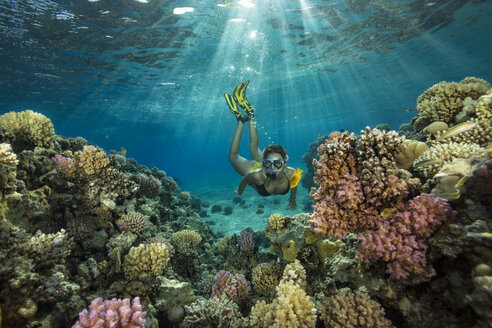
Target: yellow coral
<point>276,222</point>
<point>444,100</point>
<point>290,253</point>
<point>146,258</point>
<point>266,276</point>
<point>186,236</point>
<point>441,154</point>
<point>310,237</point>
<point>260,315</point>
<point>28,127</point>
<point>349,309</point>
<point>7,157</point>
<point>91,160</point>
<point>326,247</point>
<point>295,273</point>
<point>413,149</point>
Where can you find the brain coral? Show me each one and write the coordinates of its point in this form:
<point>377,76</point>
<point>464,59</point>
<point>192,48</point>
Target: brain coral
<point>91,160</point>
<point>186,236</point>
<point>444,100</point>
<point>146,258</point>
<point>27,129</point>
<point>266,276</point>
<point>348,309</point>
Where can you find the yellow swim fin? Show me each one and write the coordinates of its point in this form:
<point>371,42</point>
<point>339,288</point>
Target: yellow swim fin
<point>240,96</point>
<point>233,108</point>
<point>295,178</point>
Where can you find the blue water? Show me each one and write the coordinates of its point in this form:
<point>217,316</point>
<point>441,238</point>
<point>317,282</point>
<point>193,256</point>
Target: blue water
<point>153,81</point>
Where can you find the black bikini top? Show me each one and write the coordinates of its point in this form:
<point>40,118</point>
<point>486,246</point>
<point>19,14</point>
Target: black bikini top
<point>263,192</point>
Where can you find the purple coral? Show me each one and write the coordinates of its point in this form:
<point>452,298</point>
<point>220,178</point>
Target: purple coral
<point>113,313</point>
<point>400,240</point>
<point>236,287</point>
<point>63,164</point>
<point>246,240</point>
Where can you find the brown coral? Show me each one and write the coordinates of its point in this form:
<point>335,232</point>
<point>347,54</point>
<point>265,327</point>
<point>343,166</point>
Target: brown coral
<point>444,100</point>
<point>266,276</point>
<point>132,222</point>
<point>348,309</point>
<point>91,160</point>
<point>412,150</point>
<point>27,129</point>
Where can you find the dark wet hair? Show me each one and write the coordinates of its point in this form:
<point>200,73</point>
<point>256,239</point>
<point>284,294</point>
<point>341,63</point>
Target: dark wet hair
<point>270,149</point>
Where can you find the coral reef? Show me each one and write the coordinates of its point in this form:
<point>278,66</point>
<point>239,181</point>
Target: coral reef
<point>266,276</point>
<point>132,222</point>
<point>186,236</point>
<point>216,312</point>
<point>91,160</point>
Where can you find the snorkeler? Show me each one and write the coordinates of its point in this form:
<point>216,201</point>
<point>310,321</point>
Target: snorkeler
<point>267,172</point>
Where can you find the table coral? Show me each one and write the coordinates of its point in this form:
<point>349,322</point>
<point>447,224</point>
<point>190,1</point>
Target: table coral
<point>348,309</point>
<point>400,240</point>
<point>112,313</point>
<point>27,129</point>
<point>444,100</point>
<point>146,259</point>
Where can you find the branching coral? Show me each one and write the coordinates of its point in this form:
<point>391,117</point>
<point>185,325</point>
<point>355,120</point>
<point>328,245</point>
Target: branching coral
<point>146,258</point>
<point>276,222</point>
<point>91,160</point>
<point>149,186</point>
<point>27,129</point>
<point>186,236</point>
<point>481,134</point>
<point>236,287</point>
<point>358,310</point>
<point>291,308</point>
<point>266,276</point>
<point>441,154</point>
<point>444,100</point>
<point>217,312</point>
<point>132,222</point>
<point>357,179</point>
<point>8,163</point>
<point>113,313</point>
<point>400,240</point>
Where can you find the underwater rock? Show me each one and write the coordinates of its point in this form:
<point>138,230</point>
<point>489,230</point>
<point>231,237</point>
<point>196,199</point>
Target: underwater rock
<point>228,210</point>
<point>171,295</point>
<point>216,208</point>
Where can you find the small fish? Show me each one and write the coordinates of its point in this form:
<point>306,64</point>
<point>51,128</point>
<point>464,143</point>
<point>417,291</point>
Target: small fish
<point>461,182</point>
<point>295,178</point>
<point>123,150</point>
<point>427,162</point>
<point>451,195</point>
<point>218,15</point>
<point>106,136</point>
<point>409,109</point>
<point>457,129</point>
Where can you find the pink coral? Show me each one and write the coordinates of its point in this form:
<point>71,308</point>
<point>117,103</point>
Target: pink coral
<point>114,313</point>
<point>400,240</point>
<point>236,287</point>
<point>63,164</point>
<point>357,179</point>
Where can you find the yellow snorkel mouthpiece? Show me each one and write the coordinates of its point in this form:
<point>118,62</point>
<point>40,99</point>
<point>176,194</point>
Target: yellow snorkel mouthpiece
<point>295,178</point>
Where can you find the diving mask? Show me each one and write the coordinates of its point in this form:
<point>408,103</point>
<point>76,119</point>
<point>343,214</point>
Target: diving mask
<point>273,163</point>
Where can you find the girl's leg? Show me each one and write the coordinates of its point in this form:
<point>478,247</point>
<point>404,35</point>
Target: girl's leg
<point>255,151</point>
<point>239,163</point>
